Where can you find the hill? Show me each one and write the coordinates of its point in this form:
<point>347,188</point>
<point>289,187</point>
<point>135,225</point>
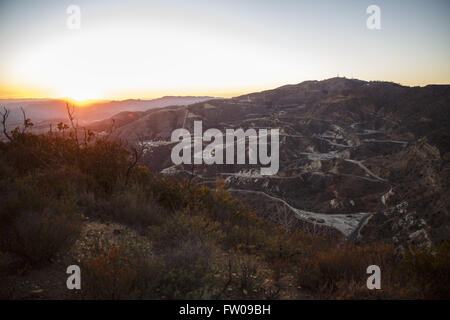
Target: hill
<point>363,181</point>
<point>351,152</point>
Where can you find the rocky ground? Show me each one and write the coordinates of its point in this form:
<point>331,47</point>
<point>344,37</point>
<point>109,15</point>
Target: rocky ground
<point>49,282</point>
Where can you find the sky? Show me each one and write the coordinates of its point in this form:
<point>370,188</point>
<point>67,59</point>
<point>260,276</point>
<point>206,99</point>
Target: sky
<point>148,49</point>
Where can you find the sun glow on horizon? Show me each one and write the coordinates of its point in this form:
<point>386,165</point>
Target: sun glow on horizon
<point>81,103</point>
<point>146,50</point>
<point>81,96</point>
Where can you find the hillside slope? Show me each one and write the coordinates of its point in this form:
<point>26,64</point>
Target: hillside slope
<point>351,152</point>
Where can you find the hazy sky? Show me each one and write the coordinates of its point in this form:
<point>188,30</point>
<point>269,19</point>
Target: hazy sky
<point>146,49</point>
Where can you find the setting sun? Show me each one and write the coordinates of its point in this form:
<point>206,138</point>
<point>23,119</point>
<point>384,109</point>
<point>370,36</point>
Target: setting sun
<point>81,96</point>
<point>208,151</point>
<point>195,50</point>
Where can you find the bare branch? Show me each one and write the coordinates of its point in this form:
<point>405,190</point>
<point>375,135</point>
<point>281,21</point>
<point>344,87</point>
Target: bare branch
<point>24,115</point>
<point>70,114</point>
<point>5,115</point>
<point>26,121</point>
<point>137,151</point>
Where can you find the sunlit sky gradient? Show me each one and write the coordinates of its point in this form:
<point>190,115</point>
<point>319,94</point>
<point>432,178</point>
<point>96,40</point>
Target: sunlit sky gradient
<point>147,49</point>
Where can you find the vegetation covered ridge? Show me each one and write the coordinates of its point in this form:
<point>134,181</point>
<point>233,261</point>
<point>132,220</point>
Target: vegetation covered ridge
<point>188,240</point>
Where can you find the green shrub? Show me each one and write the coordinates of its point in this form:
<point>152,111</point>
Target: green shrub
<point>169,193</point>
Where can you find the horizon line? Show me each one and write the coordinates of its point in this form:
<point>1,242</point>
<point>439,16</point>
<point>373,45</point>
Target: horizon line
<point>244,92</point>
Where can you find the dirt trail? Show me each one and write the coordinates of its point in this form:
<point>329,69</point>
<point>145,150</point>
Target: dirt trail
<point>345,223</point>
<point>359,163</point>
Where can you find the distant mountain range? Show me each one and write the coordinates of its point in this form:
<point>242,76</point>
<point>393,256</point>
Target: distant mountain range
<point>369,160</point>
<point>43,111</point>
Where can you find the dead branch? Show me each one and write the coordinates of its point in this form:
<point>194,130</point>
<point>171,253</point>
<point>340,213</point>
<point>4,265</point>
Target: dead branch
<point>137,151</point>
<point>5,115</point>
<point>70,114</point>
<point>26,121</point>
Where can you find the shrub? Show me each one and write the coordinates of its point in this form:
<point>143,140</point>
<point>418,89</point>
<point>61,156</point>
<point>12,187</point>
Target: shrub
<point>169,193</point>
<point>123,273</point>
<point>187,271</point>
<point>427,272</point>
<point>130,207</point>
<point>107,163</point>
<point>182,227</point>
<point>330,272</point>
<point>282,251</point>
<point>39,237</point>
<point>44,190</point>
<point>241,276</point>
<point>247,270</point>
<point>118,274</point>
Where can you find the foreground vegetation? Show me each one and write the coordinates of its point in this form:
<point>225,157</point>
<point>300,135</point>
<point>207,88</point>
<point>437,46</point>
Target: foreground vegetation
<point>204,243</point>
